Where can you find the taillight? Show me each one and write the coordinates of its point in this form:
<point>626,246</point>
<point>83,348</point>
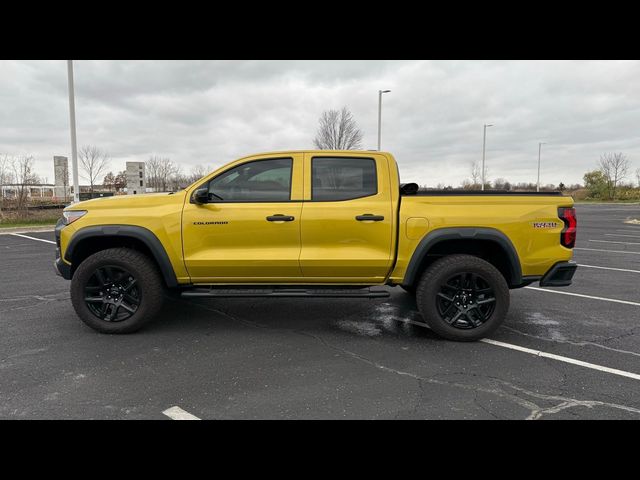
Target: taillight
<point>568,234</point>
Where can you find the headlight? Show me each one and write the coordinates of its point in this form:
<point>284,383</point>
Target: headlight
<point>71,216</point>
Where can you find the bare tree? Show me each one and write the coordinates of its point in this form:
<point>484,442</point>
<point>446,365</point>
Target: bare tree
<point>467,184</point>
<point>638,176</point>
<point>197,172</point>
<point>338,131</point>
<point>151,168</point>
<point>94,163</point>
<point>501,184</point>
<point>159,172</point>
<point>109,181</point>
<point>614,167</point>
<point>24,177</point>
<point>487,182</point>
<point>476,176</point>
<point>179,180</point>
<point>5,176</point>
<point>120,181</point>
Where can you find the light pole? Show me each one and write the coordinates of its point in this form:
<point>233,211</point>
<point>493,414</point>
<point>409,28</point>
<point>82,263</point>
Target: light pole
<point>380,92</point>
<point>539,150</point>
<point>72,121</point>
<point>484,143</point>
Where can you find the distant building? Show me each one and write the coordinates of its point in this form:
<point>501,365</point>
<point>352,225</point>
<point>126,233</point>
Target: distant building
<point>38,190</point>
<point>62,189</point>
<point>136,182</point>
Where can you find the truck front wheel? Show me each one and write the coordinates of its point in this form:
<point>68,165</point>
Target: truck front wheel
<point>117,290</point>
<point>462,297</point>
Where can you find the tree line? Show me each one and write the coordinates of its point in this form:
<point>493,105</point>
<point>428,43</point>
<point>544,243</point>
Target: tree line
<point>337,130</point>
<point>161,175</point>
<point>612,179</point>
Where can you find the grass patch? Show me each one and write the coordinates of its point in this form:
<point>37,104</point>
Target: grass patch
<point>32,223</point>
<point>34,218</point>
<point>593,200</point>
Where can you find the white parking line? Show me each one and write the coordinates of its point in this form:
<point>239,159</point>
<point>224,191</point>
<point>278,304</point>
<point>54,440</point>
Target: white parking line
<point>32,238</point>
<point>611,241</point>
<point>561,358</point>
<point>614,300</point>
<point>176,413</point>
<point>610,268</point>
<point>610,251</point>
<point>620,235</point>
<point>540,353</point>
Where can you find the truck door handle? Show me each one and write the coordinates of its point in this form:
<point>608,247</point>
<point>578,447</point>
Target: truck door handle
<point>280,218</point>
<point>367,217</point>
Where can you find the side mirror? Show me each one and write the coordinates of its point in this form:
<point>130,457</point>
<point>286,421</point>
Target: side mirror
<point>201,196</point>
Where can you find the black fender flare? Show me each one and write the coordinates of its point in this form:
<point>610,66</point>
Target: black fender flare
<point>464,233</point>
<point>132,231</point>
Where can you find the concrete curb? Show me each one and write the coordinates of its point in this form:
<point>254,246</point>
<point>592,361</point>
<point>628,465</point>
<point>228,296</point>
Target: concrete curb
<point>40,228</point>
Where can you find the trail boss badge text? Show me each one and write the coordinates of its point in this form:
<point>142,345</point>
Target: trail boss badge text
<point>545,224</point>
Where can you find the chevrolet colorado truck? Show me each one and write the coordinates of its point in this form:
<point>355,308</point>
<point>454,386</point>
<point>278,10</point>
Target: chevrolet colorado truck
<point>314,223</point>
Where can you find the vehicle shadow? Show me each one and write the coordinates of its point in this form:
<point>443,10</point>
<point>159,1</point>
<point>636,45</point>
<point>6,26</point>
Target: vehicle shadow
<point>393,316</point>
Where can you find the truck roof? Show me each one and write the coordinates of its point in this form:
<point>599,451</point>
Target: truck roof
<point>351,152</point>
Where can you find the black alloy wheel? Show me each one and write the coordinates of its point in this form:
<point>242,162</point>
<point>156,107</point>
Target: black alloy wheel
<point>112,293</point>
<point>117,290</point>
<point>463,297</point>
<point>465,300</point>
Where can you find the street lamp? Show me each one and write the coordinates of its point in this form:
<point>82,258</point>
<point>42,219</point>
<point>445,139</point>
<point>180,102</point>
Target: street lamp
<point>539,150</point>
<point>380,92</point>
<point>72,121</point>
<point>484,142</point>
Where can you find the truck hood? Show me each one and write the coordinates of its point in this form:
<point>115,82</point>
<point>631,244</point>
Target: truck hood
<point>128,201</point>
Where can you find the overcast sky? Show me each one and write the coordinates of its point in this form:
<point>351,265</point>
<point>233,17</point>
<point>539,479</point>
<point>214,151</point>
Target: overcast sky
<point>212,112</point>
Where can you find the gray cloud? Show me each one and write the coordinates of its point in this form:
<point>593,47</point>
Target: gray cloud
<point>211,112</point>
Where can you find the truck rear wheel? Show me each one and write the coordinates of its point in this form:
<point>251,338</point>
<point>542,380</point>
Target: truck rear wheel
<point>117,290</point>
<point>462,297</point>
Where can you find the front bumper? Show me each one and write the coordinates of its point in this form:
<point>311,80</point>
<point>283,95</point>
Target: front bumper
<point>60,267</point>
<point>560,275</point>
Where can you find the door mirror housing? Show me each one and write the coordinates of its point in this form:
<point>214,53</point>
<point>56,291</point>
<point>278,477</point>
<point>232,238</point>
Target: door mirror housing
<point>201,196</point>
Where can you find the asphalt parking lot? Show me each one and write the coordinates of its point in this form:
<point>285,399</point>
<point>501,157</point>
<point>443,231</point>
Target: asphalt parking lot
<point>569,355</point>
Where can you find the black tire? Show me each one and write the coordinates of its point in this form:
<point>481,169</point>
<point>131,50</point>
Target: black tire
<point>411,289</point>
<point>142,278</point>
<point>461,312</point>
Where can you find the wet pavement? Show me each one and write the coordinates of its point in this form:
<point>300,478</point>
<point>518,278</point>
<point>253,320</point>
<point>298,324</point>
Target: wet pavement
<point>330,358</point>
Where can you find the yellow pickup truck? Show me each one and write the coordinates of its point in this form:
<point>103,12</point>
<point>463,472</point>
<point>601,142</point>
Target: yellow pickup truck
<point>314,223</point>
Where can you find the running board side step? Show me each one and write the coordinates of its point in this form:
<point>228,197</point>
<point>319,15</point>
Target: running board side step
<point>286,292</point>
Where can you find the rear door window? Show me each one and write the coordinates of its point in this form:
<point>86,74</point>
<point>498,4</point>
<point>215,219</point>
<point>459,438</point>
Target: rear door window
<point>335,178</point>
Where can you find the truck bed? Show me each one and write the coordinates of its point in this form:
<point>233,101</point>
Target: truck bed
<point>424,193</point>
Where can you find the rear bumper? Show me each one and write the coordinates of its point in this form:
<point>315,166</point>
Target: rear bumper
<point>560,275</point>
